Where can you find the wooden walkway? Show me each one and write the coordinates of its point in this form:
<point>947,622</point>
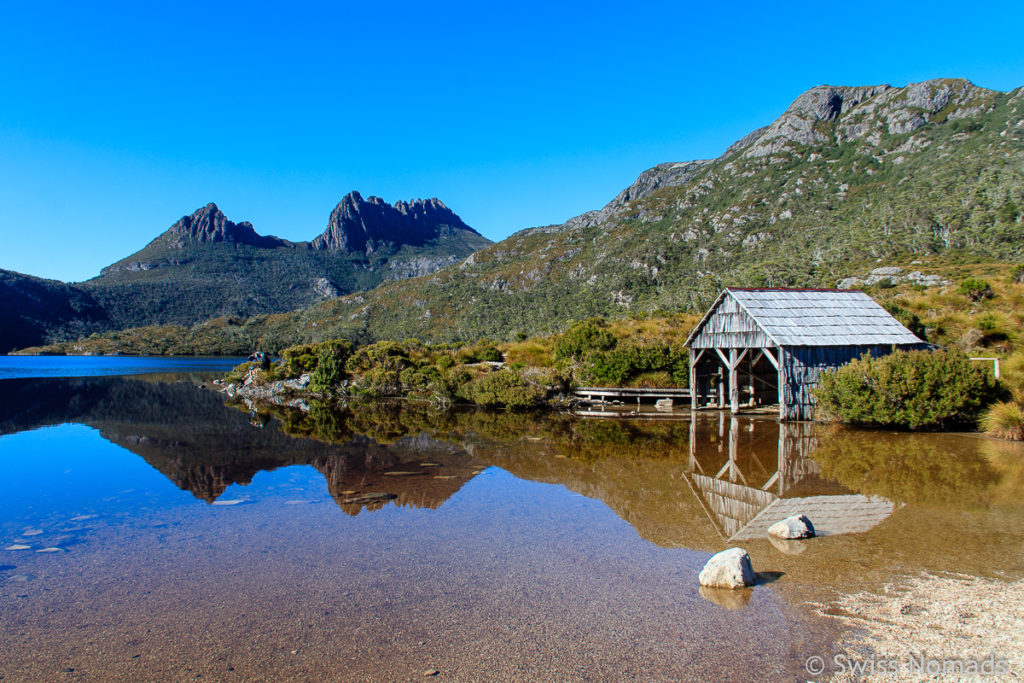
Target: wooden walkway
<point>608,394</point>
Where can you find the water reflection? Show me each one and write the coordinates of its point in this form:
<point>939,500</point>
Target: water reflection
<point>695,483</point>
<point>751,475</point>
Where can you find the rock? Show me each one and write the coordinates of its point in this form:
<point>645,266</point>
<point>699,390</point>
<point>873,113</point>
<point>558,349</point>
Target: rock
<point>797,526</point>
<point>51,549</point>
<point>18,546</point>
<point>728,569</point>
<point>431,672</point>
<point>32,532</point>
<point>228,502</point>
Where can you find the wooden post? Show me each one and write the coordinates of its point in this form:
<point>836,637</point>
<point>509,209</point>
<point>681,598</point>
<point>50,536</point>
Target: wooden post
<point>693,379</point>
<point>782,384</point>
<point>750,385</point>
<point>734,385</point>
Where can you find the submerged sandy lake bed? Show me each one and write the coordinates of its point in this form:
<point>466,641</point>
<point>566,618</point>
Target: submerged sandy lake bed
<point>199,540</point>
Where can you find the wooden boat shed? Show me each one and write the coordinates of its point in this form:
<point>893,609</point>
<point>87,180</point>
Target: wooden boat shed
<point>769,346</point>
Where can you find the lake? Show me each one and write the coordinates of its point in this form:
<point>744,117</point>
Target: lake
<point>150,530</point>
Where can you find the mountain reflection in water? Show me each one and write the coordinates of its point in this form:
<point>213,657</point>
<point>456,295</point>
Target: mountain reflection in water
<point>741,474</point>
<point>481,537</point>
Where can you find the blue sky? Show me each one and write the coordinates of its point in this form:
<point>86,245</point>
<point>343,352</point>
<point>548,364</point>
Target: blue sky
<point>117,119</point>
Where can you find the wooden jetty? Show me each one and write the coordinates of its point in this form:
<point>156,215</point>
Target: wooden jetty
<point>630,395</point>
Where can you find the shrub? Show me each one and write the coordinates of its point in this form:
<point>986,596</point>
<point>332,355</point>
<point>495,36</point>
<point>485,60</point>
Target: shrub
<point>328,374</point>
<point>1004,420</point>
<point>975,289</point>
<point>628,361</point>
<point>385,354</point>
<point>300,359</point>
<point>914,389</point>
<point>584,336</point>
<point>503,388</point>
<point>481,352</point>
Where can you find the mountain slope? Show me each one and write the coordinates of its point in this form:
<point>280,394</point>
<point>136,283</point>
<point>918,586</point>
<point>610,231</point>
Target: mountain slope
<point>844,178</point>
<point>30,307</point>
<point>205,266</point>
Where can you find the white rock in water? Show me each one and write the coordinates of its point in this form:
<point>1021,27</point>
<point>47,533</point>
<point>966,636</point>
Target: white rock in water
<point>228,502</point>
<point>728,569</point>
<point>52,549</point>
<point>797,526</point>
<point>18,546</point>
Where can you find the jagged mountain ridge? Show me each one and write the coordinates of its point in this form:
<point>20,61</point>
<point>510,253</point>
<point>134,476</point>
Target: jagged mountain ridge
<point>846,177</point>
<point>358,225</point>
<point>206,266</point>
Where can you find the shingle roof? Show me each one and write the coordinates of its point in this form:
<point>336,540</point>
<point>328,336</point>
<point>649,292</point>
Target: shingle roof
<point>808,317</point>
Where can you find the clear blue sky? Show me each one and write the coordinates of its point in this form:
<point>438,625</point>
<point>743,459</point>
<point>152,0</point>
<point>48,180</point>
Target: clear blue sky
<point>117,119</point>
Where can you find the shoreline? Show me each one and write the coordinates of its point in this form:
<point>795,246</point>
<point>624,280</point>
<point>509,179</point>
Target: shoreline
<point>920,626</point>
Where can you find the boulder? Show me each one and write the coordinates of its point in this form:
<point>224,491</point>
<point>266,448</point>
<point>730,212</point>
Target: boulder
<point>728,569</point>
<point>797,526</point>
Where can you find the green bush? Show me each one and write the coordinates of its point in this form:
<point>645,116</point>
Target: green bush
<point>975,289</point>
<point>627,361</point>
<point>502,388</point>
<point>385,354</point>
<point>584,336</point>
<point>300,359</point>
<point>914,389</point>
<point>480,352</point>
<point>329,373</point>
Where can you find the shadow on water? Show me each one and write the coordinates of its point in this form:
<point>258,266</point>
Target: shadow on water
<point>884,502</point>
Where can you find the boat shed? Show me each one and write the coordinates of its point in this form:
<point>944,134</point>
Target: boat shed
<point>769,346</point>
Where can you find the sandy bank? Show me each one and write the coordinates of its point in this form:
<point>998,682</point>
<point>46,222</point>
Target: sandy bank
<point>950,621</point>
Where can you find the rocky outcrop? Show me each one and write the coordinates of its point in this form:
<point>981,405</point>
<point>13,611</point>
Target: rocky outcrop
<point>209,224</point>
<point>893,275</point>
<point>366,225</point>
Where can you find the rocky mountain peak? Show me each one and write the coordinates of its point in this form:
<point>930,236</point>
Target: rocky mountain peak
<point>867,112</point>
<point>825,115</point>
<point>364,225</point>
<point>209,224</point>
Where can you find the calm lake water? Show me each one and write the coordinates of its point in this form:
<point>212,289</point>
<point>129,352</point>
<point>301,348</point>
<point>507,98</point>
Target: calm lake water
<point>148,530</point>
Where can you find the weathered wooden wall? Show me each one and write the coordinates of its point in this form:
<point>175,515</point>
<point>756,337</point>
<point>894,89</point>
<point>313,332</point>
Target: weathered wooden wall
<point>729,327</point>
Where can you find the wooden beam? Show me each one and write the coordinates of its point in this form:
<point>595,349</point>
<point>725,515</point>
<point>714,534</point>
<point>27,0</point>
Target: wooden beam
<point>693,381</point>
<point>734,384</point>
<point>782,384</point>
<point>774,361</point>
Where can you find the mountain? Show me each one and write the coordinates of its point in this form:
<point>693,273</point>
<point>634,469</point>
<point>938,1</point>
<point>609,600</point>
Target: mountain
<point>369,226</point>
<point>206,266</point>
<point>846,179</point>
<point>30,306</point>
